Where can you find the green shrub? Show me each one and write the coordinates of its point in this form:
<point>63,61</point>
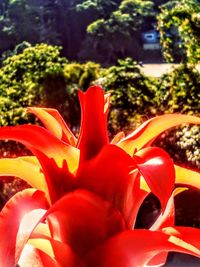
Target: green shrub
<point>81,75</point>
<point>178,90</point>
<point>132,94</point>
<point>77,76</point>
<point>28,79</point>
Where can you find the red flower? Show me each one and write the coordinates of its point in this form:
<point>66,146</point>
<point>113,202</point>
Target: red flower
<point>87,193</point>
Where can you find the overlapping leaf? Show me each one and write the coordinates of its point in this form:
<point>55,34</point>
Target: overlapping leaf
<point>10,219</point>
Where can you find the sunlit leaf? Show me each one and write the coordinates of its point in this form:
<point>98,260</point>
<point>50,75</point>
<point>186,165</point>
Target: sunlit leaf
<point>118,137</point>
<point>54,122</point>
<point>61,252</point>
<point>58,179</point>
<point>34,257</point>
<point>10,218</point>
<point>187,177</point>
<point>38,138</point>
<point>150,129</point>
<point>26,170</point>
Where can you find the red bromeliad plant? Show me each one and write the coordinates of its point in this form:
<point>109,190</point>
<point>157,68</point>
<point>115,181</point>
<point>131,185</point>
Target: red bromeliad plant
<point>86,193</point>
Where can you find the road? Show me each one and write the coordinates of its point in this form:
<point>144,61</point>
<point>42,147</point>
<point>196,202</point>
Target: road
<point>156,70</point>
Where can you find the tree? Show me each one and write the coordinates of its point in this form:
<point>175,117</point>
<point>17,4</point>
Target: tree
<point>116,35</point>
<point>179,25</point>
<point>33,21</point>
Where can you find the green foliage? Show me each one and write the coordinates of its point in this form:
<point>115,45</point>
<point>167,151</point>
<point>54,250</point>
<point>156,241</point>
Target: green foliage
<point>81,75</point>
<point>39,76</point>
<point>188,140</point>
<point>83,27</point>
<point>24,79</point>
<point>130,15</point>
<point>178,90</point>
<point>101,6</point>
<point>121,26</point>
<point>77,76</point>
<point>183,144</point>
<point>30,21</point>
<point>132,94</point>
<point>179,25</point>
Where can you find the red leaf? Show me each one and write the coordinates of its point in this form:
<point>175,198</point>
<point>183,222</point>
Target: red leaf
<point>83,220</point>
<point>34,257</point>
<point>151,129</point>
<point>157,168</point>
<point>59,180</point>
<point>38,138</point>
<point>167,218</point>
<point>10,218</point>
<point>139,247</point>
<point>108,175</point>
<point>62,253</point>
<point>93,133</point>
<point>189,236</point>
<point>54,122</point>
<point>138,195</point>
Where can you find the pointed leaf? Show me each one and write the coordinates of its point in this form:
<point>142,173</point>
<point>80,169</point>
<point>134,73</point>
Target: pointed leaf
<point>150,129</point>
<point>187,177</point>
<point>187,238</point>
<point>54,122</point>
<point>34,257</point>
<point>167,218</point>
<point>117,138</point>
<point>157,168</point>
<point>38,138</point>
<point>137,248</point>
<point>59,180</point>
<point>62,253</point>
<point>28,223</point>
<point>10,218</point>
<point>106,103</point>
<point>93,133</point>
<point>140,191</point>
<point>24,169</point>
